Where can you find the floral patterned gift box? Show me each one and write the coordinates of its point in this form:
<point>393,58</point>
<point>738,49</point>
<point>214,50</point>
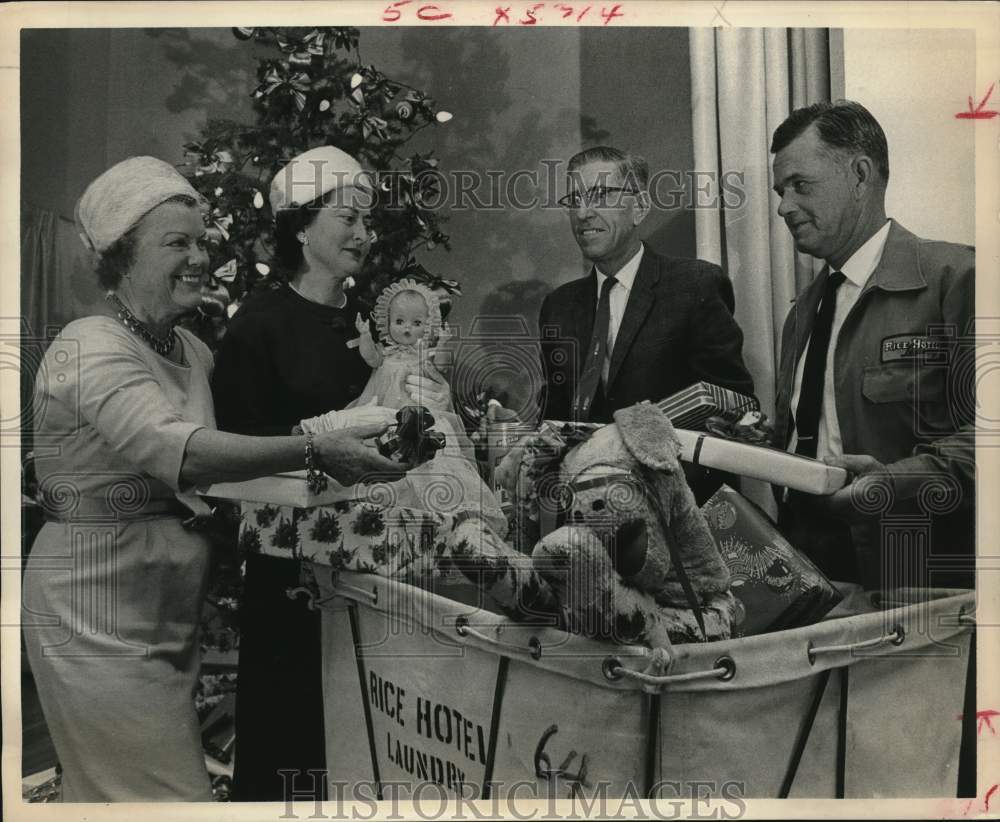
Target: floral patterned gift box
<point>354,535</point>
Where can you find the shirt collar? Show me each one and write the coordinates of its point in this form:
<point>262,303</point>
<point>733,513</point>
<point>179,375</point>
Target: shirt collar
<point>866,259</point>
<point>628,271</point>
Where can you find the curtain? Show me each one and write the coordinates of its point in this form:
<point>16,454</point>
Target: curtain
<point>42,290</point>
<point>57,280</point>
<point>744,83</point>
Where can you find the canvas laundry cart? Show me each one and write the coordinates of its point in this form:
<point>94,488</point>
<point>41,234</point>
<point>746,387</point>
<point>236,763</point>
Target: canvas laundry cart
<point>424,685</point>
<point>421,687</point>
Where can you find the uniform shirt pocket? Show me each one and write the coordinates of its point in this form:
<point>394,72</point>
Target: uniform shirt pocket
<point>904,382</point>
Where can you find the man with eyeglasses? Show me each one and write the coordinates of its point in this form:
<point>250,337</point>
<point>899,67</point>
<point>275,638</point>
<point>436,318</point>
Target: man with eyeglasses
<point>638,326</point>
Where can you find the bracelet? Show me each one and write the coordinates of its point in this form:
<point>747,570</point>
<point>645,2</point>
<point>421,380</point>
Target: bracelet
<point>315,479</point>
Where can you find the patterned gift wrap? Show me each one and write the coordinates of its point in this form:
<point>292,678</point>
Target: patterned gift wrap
<point>353,535</point>
<point>691,407</point>
<point>780,588</point>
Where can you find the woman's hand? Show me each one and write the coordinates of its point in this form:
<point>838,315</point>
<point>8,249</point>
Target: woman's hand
<point>428,388</point>
<point>346,457</point>
<point>370,414</point>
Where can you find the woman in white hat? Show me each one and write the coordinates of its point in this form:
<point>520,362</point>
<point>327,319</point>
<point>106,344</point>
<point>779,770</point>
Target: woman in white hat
<point>290,354</point>
<point>124,431</point>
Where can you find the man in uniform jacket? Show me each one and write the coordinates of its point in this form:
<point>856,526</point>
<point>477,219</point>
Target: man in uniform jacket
<point>889,392</point>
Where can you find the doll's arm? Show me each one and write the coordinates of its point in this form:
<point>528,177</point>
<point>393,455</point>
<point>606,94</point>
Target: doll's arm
<point>367,346</point>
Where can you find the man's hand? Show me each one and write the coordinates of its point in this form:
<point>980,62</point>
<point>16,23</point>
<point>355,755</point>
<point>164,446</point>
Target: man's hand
<point>429,388</point>
<point>864,474</point>
<point>346,457</point>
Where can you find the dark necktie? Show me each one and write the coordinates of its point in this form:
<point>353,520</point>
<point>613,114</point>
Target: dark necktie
<point>814,372</point>
<point>590,379</point>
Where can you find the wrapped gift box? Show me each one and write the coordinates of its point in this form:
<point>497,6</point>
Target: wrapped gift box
<point>282,489</point>
<point>696,403</point>
<point>780,588</point>
<point>351,535</point>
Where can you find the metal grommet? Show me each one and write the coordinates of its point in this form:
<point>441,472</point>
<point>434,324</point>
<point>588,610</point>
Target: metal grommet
<point>900,635</point>
<point>461,624</point>
<point>809,653</point>
<point>729,664</point>
<point>611,668</point>
<point>535,646</point>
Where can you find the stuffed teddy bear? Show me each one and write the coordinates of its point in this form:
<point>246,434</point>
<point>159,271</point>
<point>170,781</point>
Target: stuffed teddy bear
<point>635,560</point>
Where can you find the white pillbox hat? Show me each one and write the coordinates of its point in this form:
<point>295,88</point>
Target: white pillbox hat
<point>315,174</point>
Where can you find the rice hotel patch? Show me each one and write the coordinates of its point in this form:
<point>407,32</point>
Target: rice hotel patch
<point>908,346</point>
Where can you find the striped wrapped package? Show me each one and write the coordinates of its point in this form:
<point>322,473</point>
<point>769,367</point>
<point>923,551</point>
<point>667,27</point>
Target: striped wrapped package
<point>691,407</point>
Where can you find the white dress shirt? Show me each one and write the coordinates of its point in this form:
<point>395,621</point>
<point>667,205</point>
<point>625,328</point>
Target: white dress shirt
<point>618,299</point>
<point>857,270</point>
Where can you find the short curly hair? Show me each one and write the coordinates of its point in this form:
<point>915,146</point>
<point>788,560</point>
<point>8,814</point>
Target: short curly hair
<point>118,258</point>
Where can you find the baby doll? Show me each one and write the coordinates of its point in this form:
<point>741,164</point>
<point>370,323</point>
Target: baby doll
<point>407,317</point>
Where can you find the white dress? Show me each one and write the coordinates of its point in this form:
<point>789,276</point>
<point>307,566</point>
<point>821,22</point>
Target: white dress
<point>114,585</point>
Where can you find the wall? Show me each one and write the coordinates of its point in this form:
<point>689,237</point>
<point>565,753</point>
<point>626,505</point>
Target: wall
<point>931,154</point>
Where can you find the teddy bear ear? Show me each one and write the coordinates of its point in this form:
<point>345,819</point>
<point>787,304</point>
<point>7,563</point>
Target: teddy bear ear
<point>649,436</point>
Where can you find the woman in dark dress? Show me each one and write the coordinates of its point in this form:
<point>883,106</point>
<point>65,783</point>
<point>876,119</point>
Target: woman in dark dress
<point>285,358</point>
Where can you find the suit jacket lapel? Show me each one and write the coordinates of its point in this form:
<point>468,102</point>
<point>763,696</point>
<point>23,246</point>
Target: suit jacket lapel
<point>801,317</point>
<point>805,313</point>
<point>584,308</point>
<point>640,303</point>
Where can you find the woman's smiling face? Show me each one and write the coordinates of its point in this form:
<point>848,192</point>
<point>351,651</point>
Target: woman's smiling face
<point>169,262</point>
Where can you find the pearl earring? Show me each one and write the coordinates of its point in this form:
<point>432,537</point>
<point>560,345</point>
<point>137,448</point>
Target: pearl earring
<point>302,238</point>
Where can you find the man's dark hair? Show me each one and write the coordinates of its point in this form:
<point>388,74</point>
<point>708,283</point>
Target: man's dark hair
<point>843,124</point>
<point>633,168</point>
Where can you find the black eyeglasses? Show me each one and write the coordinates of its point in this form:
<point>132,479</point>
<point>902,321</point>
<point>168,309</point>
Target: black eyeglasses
<point>599,197</point>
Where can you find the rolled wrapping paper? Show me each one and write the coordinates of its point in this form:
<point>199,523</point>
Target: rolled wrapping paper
<point>754,461</point>
<point>758,462</point>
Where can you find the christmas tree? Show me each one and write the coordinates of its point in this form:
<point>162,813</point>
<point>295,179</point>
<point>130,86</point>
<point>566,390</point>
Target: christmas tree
<point>315,90</point>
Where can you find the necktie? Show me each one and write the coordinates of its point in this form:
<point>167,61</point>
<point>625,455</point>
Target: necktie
<point>814,371</point>
<point>591,377</point>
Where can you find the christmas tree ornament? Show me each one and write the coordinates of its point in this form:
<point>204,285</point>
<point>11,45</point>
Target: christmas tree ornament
<point>226,273</point>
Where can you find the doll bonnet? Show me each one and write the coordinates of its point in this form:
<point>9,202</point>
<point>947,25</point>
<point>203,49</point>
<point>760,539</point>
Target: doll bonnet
<point>381,310</point>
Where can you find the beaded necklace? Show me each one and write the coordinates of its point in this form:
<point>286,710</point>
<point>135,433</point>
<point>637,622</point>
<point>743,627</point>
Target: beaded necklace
<point>162,346</point>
